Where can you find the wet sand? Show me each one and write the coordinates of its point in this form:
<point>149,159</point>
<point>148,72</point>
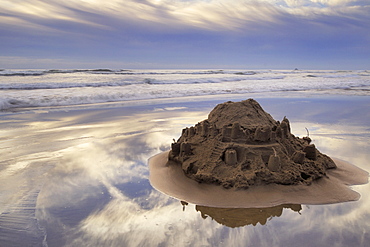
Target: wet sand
<point>78,176</point>
<point>168,177</point>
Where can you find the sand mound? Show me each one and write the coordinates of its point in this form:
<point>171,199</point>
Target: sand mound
<point>240,145</point>
<point>255,159</point>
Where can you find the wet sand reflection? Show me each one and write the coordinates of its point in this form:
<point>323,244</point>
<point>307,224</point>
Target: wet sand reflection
<point>239,217</point>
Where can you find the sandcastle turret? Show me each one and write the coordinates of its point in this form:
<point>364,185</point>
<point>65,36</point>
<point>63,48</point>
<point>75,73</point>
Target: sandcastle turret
<point>204,128</point>
<point>283,130</point>
<point>262,134</point>
<point>175,148</point>
<point>185,148</point>
<point>298,157</point>
<point>310,151</point>
<point>226,134</point>
<point>274,163</point>
<point>231,157</point>
<point>236,131</point>
<point>191,131</point>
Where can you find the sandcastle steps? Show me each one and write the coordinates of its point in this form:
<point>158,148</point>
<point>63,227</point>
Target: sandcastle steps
<point>216,152</point>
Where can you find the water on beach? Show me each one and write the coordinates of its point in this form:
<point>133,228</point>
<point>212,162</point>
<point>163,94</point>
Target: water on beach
<point>78,176</point>
<point>44,88</point>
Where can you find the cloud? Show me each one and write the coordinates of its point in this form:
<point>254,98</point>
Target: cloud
<point>155,31</point>
<point>209,15</point>
<point>130,21</point>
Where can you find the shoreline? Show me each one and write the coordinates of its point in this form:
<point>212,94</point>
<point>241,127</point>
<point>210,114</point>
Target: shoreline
<point>186,100</point>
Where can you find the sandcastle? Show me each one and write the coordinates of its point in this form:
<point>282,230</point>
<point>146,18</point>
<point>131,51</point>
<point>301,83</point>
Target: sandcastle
<point>240,145</point>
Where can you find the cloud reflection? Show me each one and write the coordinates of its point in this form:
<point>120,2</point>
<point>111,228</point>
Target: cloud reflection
<point>94,191</point>
<point>103,179</point>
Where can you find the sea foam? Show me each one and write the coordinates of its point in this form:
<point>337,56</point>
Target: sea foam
<point>43,88</point>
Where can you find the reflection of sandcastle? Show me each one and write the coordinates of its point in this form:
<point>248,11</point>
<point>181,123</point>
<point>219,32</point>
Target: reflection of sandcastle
<point>238,217</point>
<point>240,145</point>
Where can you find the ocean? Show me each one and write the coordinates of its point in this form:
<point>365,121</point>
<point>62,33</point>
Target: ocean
<point>50,88</point>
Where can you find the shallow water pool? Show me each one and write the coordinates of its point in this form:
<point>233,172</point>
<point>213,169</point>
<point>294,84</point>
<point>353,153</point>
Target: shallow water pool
<point>79,177</point>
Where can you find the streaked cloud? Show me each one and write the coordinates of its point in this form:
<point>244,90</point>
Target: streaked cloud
<point>88,26</point>
<point>213,14</point>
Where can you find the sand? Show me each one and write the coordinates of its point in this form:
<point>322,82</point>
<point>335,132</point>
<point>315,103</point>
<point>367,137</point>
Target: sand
<point>240,145</point>
<point>241,157</point>
<point>333,188</point>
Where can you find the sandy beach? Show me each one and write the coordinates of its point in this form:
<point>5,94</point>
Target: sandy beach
<point>79,176</point>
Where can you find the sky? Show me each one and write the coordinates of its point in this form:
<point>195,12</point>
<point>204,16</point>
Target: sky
<point>174,34</point>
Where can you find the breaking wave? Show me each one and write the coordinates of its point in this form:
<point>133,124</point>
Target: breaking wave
<point>43,88</point>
